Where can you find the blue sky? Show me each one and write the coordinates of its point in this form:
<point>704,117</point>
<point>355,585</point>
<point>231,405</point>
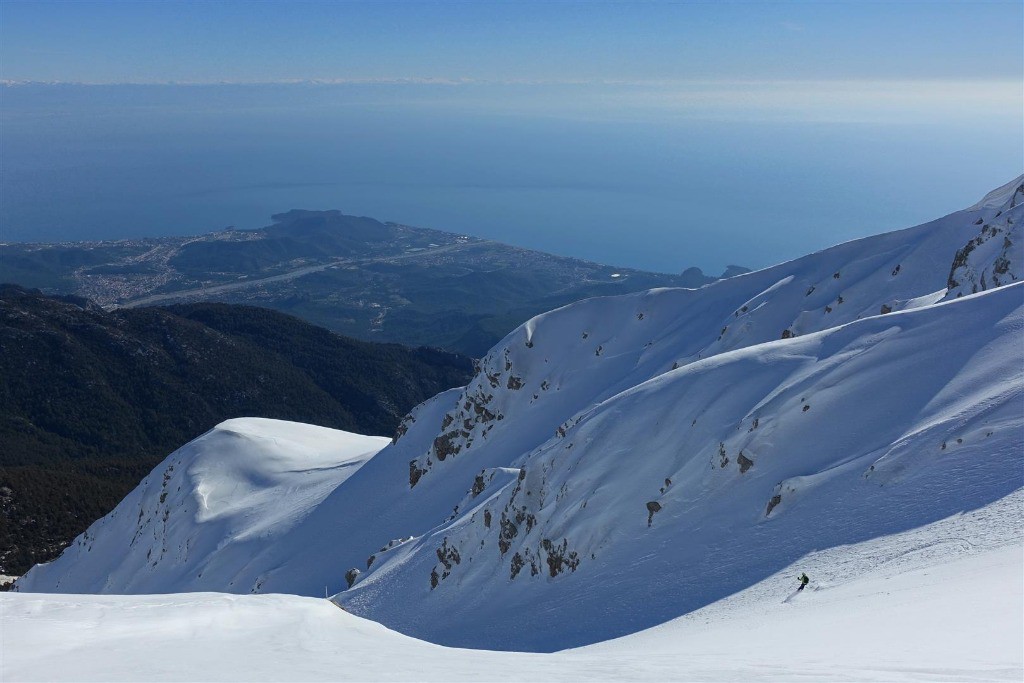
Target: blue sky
<point>655,135</point>
<point>114,42</point>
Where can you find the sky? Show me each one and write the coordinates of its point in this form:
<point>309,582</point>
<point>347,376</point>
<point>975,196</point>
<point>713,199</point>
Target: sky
<point>656,135</point>
<point>146,42</point>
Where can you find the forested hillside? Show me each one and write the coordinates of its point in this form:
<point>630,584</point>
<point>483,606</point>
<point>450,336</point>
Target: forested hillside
<point>90,401</point>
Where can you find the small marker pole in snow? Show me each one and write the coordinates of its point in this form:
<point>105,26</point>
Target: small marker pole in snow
<point>325,591</point>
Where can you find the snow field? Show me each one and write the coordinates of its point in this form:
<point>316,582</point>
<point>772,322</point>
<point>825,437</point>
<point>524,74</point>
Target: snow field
<point>620,462</point>
<point>921,605</point>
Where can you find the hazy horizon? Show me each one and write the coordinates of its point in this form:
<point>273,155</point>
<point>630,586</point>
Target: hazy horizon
<point>651,135</point>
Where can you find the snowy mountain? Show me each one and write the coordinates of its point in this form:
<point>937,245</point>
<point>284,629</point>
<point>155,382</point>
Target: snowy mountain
<point>621,461</point>
<point>215,503</point>
<point>992,258</point>
<point>903,607</point>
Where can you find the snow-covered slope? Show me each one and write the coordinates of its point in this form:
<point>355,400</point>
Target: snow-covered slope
<point>919,605</point>
<point>205,513</point>
<point>689,487</point>
<point>993,257</point>
<point>621,461</point>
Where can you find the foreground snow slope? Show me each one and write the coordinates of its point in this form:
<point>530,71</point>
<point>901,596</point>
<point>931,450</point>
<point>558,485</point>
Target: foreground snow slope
<point>212,505</point>
<point>697,483</point>
<point>923,605</point>
<point>621,461</point>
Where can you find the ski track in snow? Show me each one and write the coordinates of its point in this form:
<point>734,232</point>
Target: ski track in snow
<point>878,610</point>
<point>857,414</point>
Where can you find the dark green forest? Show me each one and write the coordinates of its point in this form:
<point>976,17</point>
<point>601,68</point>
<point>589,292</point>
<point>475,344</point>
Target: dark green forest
<point>91,400</point>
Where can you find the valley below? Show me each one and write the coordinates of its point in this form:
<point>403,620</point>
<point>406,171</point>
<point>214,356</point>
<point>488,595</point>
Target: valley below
<point>356,276</point>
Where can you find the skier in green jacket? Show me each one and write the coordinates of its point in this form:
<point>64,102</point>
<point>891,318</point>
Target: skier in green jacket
<point>803,581</point>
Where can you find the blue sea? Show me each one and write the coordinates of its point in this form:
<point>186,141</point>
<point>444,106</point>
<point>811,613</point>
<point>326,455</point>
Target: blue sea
<point>588,176</point>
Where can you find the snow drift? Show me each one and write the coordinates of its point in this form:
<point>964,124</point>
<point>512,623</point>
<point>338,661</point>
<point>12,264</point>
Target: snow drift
<point>902,607</point>
<point>621,461</point>
<point>207,511</point>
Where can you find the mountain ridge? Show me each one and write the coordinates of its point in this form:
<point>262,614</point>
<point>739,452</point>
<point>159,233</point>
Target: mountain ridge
<point>354,275</point>
<point>91,400</point>
<point>675,445</point>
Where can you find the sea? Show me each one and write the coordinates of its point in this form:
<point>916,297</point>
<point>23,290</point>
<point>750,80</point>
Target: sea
<point>595,172</point>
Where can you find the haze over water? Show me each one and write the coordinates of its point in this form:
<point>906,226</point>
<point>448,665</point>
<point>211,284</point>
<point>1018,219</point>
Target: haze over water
<point>654,135</point>
<point>626,185</point>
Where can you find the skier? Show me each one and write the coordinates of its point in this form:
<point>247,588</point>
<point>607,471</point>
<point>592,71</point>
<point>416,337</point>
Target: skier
<point>803,581</point>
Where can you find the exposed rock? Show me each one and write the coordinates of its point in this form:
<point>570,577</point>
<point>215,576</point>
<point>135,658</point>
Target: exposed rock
<point>415,472</point>
<point>516,565</point>
<point>775,500</point>
<point>402,428</point>
<point>885,309</point>
<point>744,462</point>
<point>351,575</point>
<point>507,532</point>
<point>987,261</point>
<point>478,485</point>
<point>559,557</point>
<point>448,556</point>
<point>444,445</point>
<point>482,413</point>
<point>652,507</point>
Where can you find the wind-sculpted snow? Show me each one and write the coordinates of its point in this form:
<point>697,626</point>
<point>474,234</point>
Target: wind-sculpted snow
<point>561,363</point>
<point>206,512</point>
<point>622,461</point>
<point>904,607</point>
<point>751,459</point>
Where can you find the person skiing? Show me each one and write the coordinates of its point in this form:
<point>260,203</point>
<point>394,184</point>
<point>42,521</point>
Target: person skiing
<point>803,581</point>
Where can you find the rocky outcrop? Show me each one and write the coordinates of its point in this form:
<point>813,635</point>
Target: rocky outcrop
<point>403,427</point>
<point>559,557</point>
<point>993,258</point>
<point>652,508</point>
<point>473,417</point>
<point>448,556</point>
